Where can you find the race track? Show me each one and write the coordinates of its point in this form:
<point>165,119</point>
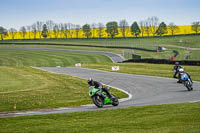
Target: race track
<point>143,90</point>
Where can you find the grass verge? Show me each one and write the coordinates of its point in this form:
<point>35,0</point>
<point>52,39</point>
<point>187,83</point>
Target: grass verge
<point>30,89</point>
<point>174,118</point>
<point>160,70</point>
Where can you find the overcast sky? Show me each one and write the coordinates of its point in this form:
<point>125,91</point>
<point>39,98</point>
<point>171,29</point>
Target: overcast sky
<point>17,13</point>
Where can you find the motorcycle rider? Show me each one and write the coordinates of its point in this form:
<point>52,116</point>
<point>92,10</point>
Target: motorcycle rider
<point>176,69</point>
<point>99,85</point>
<point>181,72</point>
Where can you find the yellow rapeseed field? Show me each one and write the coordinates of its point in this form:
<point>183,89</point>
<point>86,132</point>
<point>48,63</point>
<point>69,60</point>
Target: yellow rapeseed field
<point>182,30</point>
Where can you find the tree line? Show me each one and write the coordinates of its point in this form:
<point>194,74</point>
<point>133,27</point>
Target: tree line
<point>49,29</point>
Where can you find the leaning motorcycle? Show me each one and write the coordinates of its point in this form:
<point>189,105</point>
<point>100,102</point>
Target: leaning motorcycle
<point>100,98</point>
<point>187,81</point>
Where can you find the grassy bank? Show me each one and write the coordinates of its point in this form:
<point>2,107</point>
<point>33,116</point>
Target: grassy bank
<point>178,118</point>
<point>13,57</point>
<point>127,53</point>
<point>160,70</point>
<point>30,89</point>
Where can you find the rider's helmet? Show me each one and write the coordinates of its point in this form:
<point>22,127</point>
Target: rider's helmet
<point>176,63</point>
<point>181,70</point>
<point>90,80</point>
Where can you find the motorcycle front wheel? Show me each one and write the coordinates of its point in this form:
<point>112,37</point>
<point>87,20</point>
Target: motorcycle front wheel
<point>98,101</point>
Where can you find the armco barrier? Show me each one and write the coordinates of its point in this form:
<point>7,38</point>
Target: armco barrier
<point>164,61</point>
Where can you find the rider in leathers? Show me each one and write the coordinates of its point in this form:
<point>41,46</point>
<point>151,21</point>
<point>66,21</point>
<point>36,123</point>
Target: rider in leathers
<point>176,69</point>
<point>181,72</point>
<point>96,84</point>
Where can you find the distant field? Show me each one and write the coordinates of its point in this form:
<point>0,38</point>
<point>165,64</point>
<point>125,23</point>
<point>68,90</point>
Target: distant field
<point>179,43</point>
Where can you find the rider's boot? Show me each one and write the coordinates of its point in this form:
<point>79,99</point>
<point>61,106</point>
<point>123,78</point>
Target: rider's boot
<point>179,81</point>
<point>110,96</point>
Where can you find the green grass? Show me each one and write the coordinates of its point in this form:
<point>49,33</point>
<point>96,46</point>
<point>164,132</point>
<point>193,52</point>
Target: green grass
<point>30,89</point>
<point>174,118</point>
<point>160,70</point>
<point>34,89</point>
<point>38,58</point>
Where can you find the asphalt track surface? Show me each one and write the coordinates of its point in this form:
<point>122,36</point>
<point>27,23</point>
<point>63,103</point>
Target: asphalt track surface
<point>142,90</point>
<point>114,57</point>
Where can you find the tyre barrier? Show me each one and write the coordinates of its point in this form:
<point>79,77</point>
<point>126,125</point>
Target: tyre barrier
<point>163,61</point>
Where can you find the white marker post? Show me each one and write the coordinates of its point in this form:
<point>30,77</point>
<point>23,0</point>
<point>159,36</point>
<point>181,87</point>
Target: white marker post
<point>115,68</point>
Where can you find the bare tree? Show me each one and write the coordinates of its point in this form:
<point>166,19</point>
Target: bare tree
<point>70,29</point>
<point>62,30</point>
<point>39,26</point>
<point>153,23</point>
<point>77,27</point>
<point>12,32</point>
<point>142,27</point>
<point>50,24</point>
<point>123,24</point>
<point>93,27</point>
<point>173,28</point>
<point>56,30</point>
<point>28,28</point>
<point>34,30</point>
<point>65,30</point>
<point>100,29</point>
<point>147,27</point>
<point>23,31</point>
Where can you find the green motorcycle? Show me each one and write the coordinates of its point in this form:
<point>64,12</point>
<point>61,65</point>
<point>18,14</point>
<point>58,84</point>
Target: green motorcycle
<point>100,98</point>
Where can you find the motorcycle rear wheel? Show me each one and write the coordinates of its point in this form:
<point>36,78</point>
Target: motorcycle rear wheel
<point>188,85</point>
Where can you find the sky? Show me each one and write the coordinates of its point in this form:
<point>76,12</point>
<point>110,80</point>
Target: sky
<point>18,13</point>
